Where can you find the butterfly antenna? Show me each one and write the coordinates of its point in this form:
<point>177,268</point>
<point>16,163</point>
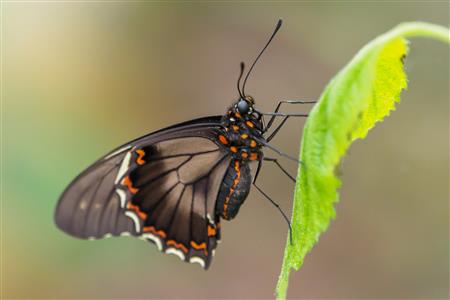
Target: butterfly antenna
<point>280,22</point>
<point>239,79</point>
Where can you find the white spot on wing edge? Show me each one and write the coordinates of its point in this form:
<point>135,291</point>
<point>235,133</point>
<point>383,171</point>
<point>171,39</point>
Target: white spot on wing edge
<point>209,219</point>
<point>196,259</point>
<point>134,217</point>
<point>118,151</point>
<point>176,252</point>
<point>154,238</point>
<point>122,197</point>
<point>123,167</point>
<point>106,235</point>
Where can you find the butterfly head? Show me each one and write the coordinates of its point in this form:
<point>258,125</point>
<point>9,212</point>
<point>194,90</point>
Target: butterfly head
<point>245,108</point>
<point>244,105</point>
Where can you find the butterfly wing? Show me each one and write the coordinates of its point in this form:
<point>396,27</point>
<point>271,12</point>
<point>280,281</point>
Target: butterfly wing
<point>161,187</point>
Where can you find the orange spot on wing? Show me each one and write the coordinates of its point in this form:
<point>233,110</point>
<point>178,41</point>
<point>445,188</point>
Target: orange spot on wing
<point>152,229</point>
<point>244,154</point>
<point>177,245</point>
<point>233,149</point>
<point>223,139</point>
<point>235,128</point>
<point>250,124</point>
<point>238,115</point>
<point>199,247</point>
<point>253,143</point>
<point>140,154</point>
<point>137,210</point>
<point>127,182</point>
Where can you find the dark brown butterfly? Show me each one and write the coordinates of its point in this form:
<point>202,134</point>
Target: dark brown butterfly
<point>172,187</point>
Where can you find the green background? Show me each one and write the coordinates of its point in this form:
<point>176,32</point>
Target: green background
<point>82,78</point>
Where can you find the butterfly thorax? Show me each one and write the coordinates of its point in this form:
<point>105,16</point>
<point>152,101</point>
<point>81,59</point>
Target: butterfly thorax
<point>242,130</point>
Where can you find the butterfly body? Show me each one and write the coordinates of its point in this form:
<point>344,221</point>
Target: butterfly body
<point>241,125</point>
<point>234,190</point>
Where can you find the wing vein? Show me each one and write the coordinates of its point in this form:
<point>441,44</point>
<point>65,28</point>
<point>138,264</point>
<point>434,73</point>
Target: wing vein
<point>95,195</point>
<point>172,218</point>
<point>102,213</point>
<point>84,193</point>
<point>166,172</point>
<point>191,236</point>
<point>183,154</point>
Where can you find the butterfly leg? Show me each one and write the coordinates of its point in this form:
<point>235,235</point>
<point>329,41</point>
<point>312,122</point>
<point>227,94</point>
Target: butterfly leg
<point>279,209</point>
<point>279,152</point>
<point>272,135</point>
<point>275,161</point>
<point>258,168</point>
<point>272,119</point>
<point>277,114</point>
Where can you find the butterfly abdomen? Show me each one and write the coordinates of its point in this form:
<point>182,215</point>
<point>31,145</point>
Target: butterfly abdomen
<point>234,189</point>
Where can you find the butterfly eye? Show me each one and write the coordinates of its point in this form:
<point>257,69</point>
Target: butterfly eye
<point>243,107</point>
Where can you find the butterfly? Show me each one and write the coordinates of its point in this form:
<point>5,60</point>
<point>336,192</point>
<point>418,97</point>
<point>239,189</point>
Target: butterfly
<point>172,187</point>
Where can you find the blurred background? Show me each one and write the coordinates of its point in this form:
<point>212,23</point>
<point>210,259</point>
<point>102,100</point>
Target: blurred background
<point>83,78</point>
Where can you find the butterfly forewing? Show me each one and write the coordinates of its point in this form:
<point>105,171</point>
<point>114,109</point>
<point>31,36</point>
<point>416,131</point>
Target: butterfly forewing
<point>90,207</point>
<point>161,187</point>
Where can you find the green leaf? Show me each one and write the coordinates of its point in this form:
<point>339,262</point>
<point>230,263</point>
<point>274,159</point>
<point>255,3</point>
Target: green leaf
<point>360,95</point>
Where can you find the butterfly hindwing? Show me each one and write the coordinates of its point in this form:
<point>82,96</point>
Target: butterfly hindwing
<point>177,208</point>
<point>173,194</point>
<point>161,187</point>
